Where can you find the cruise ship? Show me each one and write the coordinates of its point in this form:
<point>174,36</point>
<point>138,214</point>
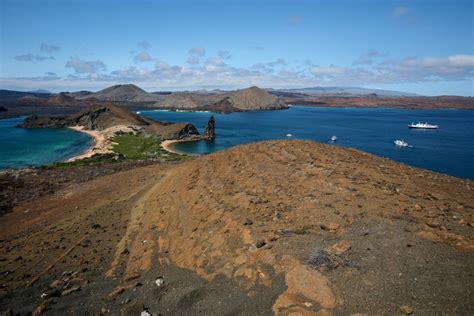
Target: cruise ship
<point>423,125</point>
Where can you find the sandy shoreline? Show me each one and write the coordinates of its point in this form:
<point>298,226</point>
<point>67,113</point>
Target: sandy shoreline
<point>102,144</point>
<point>99,142</point>
<point>167,145</point>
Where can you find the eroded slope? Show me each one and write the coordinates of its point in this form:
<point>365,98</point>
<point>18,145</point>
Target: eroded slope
<point>294,226</point>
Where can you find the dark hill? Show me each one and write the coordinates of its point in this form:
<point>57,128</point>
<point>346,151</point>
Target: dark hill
<point>248,99</point>
<point>123,93</point>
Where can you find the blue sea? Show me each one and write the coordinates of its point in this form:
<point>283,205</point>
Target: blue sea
<point>449,149</point>
<point>21,147</point>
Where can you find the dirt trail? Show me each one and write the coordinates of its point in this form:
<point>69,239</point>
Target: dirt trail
<point>294,226</point>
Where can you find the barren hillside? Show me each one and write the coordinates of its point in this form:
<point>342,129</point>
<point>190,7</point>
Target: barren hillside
<point>277,227</point>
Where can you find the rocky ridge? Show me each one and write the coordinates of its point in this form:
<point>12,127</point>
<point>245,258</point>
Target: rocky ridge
<point>276,227</point>
<point>249,99</point>
<point>100,117</point>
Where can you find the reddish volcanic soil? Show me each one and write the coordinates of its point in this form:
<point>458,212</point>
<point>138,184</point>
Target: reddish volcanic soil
<point>279,227</point>
<point>441,102</point>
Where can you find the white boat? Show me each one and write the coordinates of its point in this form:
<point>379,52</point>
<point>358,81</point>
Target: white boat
<point>333,138</point>
<point>423,125</point>
<point>289,135</point>
<point>138,112</point>
<point>401,143</point>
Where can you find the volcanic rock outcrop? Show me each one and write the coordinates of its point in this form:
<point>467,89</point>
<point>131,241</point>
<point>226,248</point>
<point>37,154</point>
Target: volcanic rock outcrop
<point>249,99</point>
<point>100,117</point>
<point>210,130</point>
<point>122,93</point>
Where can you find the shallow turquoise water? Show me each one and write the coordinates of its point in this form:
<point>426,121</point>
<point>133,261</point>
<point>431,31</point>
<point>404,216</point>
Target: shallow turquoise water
<point>450,149</point>
<point>21,147</point>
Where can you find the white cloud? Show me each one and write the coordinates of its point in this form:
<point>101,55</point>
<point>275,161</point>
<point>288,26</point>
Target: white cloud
<point>193,60</point>
<point>144,45</point>
<point>142,57</point>
<point>85,67</point>
<point>367,58</point>
<point>223,54</point>
<point>49,48</point>
<point>34,58</point>
<point>197,51</point>
<point>215,72</point>
<point>331,70</point>
<point>195,54</point>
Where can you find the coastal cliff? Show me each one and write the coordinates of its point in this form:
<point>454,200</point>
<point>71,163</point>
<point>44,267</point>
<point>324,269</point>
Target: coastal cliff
<point>100,117</point>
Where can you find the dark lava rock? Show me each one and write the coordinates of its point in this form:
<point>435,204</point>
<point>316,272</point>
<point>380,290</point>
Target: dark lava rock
<point>210,131</point>
<point>248,221</point>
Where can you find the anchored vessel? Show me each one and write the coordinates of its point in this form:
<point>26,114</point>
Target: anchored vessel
<point>423,125</point>
<point>401,143</point>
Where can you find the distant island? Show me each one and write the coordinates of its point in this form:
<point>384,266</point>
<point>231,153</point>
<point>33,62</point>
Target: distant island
<point>105,122</point>
<point>250,99</point>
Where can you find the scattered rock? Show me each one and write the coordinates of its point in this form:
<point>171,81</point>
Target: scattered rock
<point>248,221</point>
<point>405,309</point>
<point>104,310</point>
<point>132,277</point>
<point>324,227</point>
<point>260,243</point>
<point>339,248</point>
<point>41,308</point>
<point>334,226</point>
<point>433,224</point>
<point>56,284</point>
<point>71,290</point>
<point>125,252</point>
<point>96,226</point>
<point>160,281</point>
<point>417,207</point>
<point>116,291</point>
<point>51,293</point>
<point>321,258</point>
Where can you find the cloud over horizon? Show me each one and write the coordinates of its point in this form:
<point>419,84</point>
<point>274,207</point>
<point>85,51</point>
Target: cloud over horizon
<point>48,48</point>
<point>85,67</point>
<point>279,73</point>
<point>34,58</point>
<point>195,54</point>
<point>142,57</point>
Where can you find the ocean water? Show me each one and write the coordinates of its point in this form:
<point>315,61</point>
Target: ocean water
<point>449,149</point>
<point>21,147</point>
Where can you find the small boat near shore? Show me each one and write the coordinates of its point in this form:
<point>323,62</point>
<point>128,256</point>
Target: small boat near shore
<point>423,126</point>
<point>333,138</point>
<point>289,135</point>
<point>401,143</point>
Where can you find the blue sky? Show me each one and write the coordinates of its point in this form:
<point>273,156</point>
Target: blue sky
<point>417,46</point>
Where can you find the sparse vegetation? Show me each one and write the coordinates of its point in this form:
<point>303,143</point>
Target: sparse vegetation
<point>321,258</point>
<point>128,147</point>
<point>142,147</point>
